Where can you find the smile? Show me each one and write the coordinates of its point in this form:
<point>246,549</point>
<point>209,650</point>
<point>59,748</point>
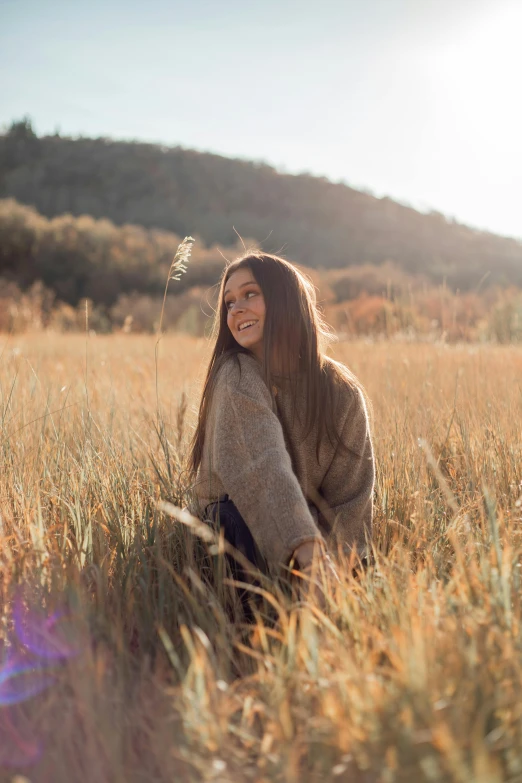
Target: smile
<point>246,325</point>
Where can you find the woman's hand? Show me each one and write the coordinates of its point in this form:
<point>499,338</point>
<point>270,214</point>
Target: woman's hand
<point>318,568</point>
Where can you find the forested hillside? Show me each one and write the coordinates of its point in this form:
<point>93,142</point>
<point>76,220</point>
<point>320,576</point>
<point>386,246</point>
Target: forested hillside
<point>316,222</point>
<point>54,272</point>
<point>80,257</point>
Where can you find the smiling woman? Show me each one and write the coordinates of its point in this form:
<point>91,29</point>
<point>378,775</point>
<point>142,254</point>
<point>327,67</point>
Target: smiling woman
<point>245,306</point>
<point>282,457</point>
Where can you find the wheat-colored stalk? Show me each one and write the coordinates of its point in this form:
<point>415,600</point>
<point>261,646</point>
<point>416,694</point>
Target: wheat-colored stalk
<point>177,268</point>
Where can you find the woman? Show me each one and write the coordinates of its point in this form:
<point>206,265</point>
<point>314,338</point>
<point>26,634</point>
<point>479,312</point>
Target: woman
<point>282,456</point>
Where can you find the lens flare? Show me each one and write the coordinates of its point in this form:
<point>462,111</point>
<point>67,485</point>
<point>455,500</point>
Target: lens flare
<point>16,750</point>
<point>43,636</point>
<point>39,645</point>
<point>21,680</point>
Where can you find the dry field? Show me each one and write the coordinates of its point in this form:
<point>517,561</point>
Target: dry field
<point>120,662</point>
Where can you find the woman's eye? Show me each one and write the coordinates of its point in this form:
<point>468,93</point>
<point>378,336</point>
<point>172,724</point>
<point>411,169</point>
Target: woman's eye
<point>248,294</point>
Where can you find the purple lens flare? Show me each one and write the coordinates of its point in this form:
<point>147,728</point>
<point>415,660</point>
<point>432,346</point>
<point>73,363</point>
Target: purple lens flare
<point>21,680</point>
<point>43,636</point>
<point>39,646</point>
<point>16,749</point>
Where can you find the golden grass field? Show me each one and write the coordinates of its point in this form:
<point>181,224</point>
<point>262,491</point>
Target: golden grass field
<point>414,673</point>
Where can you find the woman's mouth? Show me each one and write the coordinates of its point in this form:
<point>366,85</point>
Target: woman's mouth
<point>246,325</point>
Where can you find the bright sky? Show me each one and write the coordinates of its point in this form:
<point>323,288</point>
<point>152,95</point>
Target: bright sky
<point>415,99</point>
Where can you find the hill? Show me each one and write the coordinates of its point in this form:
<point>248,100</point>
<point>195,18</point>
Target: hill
<point>53,271</point>
<point>319,223</point>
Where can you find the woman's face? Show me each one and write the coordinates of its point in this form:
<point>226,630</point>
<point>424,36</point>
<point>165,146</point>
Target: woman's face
<point>245,306</point>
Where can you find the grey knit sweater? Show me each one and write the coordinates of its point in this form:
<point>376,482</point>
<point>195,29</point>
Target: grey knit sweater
<point>255,452</point>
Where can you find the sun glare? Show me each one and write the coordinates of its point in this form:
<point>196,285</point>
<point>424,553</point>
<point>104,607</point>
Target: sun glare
<point>473,79</point>
<point>484,68</point>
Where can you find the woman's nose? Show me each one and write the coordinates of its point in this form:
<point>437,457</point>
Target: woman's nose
<point>238,306</point>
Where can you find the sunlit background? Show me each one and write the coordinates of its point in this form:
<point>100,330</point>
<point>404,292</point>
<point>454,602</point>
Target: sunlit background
<point>124,655</point>
<point>418,100</point>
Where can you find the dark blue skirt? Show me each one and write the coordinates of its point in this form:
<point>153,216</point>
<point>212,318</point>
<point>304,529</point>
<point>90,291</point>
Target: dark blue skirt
<point>224,516</point>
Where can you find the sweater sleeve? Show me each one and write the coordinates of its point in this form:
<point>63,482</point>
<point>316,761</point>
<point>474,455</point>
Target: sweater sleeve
<point>249,455</point>
<point>347,487</point>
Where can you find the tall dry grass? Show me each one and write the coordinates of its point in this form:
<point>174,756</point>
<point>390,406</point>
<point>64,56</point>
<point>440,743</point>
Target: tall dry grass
<point>414,672</point>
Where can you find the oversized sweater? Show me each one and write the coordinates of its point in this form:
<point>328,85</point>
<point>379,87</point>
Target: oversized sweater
<point>287,491</point>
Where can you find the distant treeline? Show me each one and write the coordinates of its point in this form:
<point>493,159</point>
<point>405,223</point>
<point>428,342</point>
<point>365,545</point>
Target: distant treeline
<point>71,273</point>
<point>80,257</point>
<point>316,222</point>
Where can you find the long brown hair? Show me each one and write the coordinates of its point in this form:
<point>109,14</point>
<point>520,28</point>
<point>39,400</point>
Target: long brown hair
<point>295,336</point>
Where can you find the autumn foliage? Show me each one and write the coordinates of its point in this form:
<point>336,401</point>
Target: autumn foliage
<point>68,274</point>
